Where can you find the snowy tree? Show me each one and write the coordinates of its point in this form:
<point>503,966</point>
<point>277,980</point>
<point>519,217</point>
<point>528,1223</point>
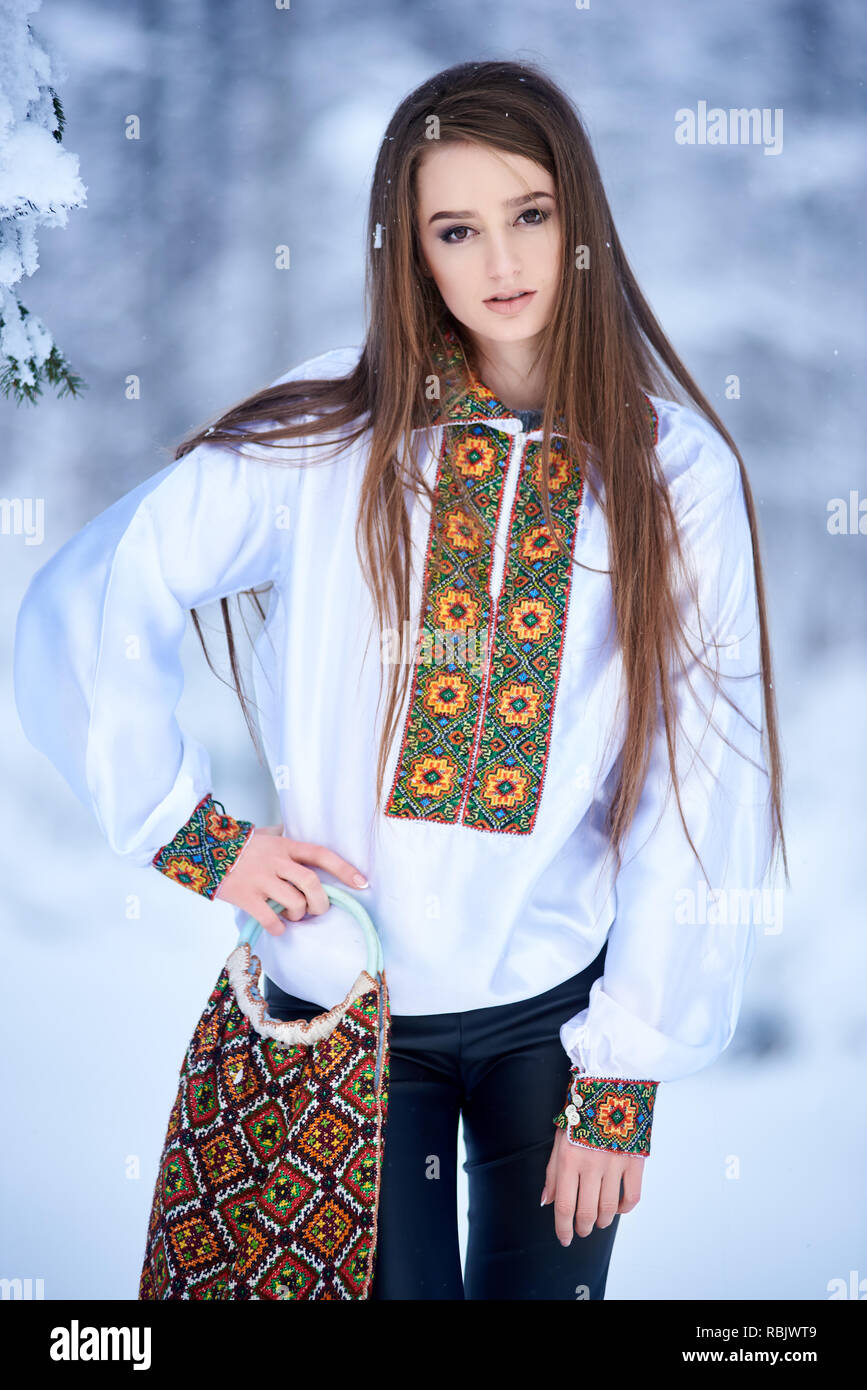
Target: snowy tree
<point>39,183</point>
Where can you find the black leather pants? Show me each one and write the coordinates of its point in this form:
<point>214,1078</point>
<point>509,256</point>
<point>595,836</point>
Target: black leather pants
<point>505,1070</point>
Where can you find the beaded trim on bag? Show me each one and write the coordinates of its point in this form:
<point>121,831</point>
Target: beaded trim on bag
<point>205,848</point>
<point>609,1112</point>
<point>243,969</point>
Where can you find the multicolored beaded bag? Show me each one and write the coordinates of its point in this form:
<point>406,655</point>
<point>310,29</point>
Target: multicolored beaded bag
<point>269,1180</point>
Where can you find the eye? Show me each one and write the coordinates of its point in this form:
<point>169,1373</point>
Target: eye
<point>532,212</point>
<point>542,214</point>
<point>446,236</point>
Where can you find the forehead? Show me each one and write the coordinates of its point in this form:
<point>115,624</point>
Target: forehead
<point>471,173</point>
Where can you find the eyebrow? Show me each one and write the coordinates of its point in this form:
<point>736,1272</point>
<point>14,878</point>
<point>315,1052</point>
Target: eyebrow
<point>507,203</point>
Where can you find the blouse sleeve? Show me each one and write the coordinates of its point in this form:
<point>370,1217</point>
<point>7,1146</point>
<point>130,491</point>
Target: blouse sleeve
<point>680,945</point>
<point>97,664</point>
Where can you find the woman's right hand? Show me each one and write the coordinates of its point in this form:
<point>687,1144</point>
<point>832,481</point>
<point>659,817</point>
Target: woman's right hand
<point>272,866</point>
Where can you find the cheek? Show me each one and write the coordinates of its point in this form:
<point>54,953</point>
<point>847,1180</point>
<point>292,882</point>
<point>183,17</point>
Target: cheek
<point>430,259</point>
<point>546,253</point>
<point>445,269</point>
<point>553,253</point>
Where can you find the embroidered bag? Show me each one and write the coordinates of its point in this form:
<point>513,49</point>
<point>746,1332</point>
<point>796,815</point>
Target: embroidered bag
<point>268,1184</point>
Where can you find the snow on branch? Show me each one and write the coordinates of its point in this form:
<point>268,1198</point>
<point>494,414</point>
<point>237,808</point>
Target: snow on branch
<point>39,183</point>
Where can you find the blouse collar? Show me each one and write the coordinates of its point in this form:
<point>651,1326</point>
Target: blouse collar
<point>465,400</point>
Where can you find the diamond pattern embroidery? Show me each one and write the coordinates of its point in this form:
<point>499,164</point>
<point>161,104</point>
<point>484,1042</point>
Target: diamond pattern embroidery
<point>268,1186</point>
<point>609,1113</point>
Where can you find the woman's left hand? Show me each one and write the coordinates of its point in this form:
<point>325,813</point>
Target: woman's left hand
<point>585,1186</point>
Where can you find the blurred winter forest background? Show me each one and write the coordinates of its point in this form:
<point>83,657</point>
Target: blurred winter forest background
<point>259,127</point>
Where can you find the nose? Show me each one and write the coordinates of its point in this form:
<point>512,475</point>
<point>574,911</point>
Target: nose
<point>502,263</point>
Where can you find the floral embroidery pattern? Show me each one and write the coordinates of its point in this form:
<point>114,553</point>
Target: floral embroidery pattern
<point>445,699</point>
<point>609,1113</point>
<point>528,632</point>
<point>204,849</point>
<point>478,728</point>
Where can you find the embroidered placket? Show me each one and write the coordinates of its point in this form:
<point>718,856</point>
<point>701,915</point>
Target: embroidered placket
<point>476,741</point>
<point>477,735</point>
<point>497,579</point>
<point>444,702</point>
<point>515,733</point>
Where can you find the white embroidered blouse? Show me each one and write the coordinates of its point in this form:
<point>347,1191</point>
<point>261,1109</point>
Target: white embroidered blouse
<point>486,873</point>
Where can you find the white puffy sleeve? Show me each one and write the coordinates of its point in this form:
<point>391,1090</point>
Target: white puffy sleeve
<point>97,667</point>
<point>680,945</point>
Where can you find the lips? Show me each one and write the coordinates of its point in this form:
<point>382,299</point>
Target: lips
<point>510,308</point>
<point>516,294</point>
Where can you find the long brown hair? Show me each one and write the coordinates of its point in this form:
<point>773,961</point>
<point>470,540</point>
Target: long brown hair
<point>603,348</point>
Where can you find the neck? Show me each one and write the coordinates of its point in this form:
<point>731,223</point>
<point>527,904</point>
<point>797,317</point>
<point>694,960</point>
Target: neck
<point>513,371</point>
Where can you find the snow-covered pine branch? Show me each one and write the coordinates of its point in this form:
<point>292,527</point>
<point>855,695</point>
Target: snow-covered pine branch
<point>39,183</point>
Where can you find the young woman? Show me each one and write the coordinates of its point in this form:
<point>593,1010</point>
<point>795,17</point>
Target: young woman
<point>549,570</point>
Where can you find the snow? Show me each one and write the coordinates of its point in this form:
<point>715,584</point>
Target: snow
<point>39,183</point>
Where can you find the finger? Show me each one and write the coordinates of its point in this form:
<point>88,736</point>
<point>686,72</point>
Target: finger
<point>291,899</point>
<point>588,1194</point>
<point>329,860</point>
<point>266,916</point>
<point>609,1192</point>
<point>307,883</point>
<point>632,1175</point>
<point>565,1194</point>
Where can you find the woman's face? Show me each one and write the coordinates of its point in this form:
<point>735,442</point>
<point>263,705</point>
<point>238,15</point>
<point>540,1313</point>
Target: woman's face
<point>488,226</point>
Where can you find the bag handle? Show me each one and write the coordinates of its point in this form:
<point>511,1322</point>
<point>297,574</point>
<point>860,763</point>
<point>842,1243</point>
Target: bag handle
<point>251,928</point>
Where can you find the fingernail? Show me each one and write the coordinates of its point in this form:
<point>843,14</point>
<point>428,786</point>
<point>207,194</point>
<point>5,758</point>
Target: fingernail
<point>542,1203</point>
<point>360,881</point>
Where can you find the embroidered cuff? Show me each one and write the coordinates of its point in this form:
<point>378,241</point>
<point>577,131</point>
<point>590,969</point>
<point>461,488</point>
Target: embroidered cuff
<point>605,1112</point>
<point>205,848</point>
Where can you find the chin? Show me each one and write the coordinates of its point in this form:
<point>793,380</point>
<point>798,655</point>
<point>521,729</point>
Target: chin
<point>507,330</point>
